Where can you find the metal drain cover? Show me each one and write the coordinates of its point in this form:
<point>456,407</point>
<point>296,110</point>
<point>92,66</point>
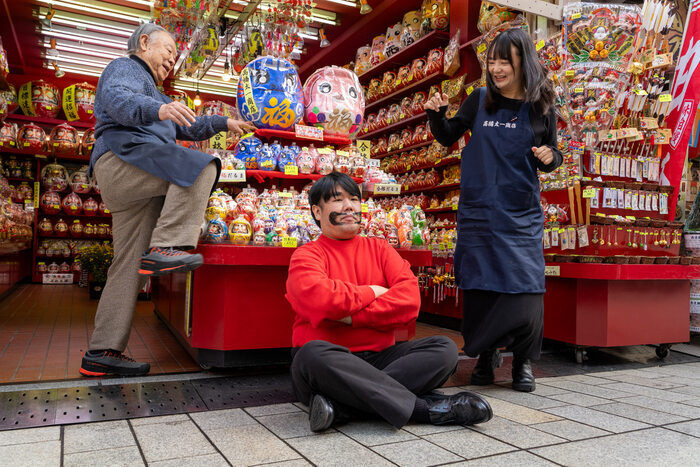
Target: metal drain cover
<point>226,393</point>
<point>122,401</point>
<point>21,409</point>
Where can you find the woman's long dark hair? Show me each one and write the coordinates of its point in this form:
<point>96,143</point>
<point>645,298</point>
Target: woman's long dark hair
<point>538,89</point>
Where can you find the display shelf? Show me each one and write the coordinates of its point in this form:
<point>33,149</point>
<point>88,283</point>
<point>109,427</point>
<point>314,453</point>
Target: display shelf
<point>11,248</point>
<point>421,47</point>
<point>69,237</point>
<point>439,210</point>
<point>49,121</point>
<point>19,179</point>
<point>407,148</point>
<point>56,258</point>
<point>395,126</point>
<point>442,163</point>
<point>261,175</point>
<point>6,148</point>
<point>291,136</point>
<point>432,189</point>
<point>395,96</point>
<point>250,255</point>
<point>623,271</point>
<point>81,216</point>
<point>453,226</point>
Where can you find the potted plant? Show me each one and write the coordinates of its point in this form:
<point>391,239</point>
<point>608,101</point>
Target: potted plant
<point>96,260</point>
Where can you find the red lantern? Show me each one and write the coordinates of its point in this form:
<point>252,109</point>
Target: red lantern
<point>72,204</point>
<point>39,99</point>
<point>31,138</point>
<point>90,207</point>
<point>79,102</point>
<point>63,140</point>
<point>50,202</point>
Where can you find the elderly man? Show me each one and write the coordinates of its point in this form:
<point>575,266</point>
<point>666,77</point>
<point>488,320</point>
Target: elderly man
<point>350,294</point>
<point>156,189</point>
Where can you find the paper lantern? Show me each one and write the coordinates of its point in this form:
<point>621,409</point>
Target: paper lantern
<point>31,138</point>
<point>39,99</point>
<point>334,101</point>
<point>79,102</point>
<point>63,140</point>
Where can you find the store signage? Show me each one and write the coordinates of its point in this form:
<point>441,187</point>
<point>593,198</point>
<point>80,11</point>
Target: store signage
<point>291,169</point>
<point>589,193</point>
<point>36,195</point>
<point>24,98</point>
<point>308,132</point>
<point>552,271</point>
<point>387,189</point>
<point>57,279</point>
<point>232,176</point>
<point>248,91</point>
<point>289,242</point>
<point>364,146</point>
<point>69,103</point>
<point>218,141</point>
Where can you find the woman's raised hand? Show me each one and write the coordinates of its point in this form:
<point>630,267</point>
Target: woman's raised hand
<point>436,101</point>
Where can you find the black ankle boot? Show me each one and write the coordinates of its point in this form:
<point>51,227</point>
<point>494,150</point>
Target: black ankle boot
<point>482,374</point>
<point>523,379</point>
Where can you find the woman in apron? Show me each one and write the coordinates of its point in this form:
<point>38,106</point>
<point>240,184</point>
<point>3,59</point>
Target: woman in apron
<point>498,258</point>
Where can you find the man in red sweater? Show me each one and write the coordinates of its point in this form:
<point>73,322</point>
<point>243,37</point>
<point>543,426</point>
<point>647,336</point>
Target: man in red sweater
<point>350,294</point>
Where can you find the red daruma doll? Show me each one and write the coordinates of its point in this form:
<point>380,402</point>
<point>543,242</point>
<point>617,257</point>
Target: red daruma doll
<point>334,101</point>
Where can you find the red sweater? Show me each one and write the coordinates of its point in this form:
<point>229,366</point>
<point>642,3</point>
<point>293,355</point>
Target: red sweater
<point>329,280</point>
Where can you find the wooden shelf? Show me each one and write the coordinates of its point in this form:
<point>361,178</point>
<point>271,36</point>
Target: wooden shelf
<point>443,163</point>
<point>439,210</point>
<point>432,189</point>
<point>407,148</point>
<point>395,126</point>
<point>416,50</point>
<point>261,175</point>
<point>43,154</point>
<point>49,121</point>
<point>291,136</point>
<point>625,271</point>
<point>421,85</point>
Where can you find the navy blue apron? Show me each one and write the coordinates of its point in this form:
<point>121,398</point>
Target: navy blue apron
<point>499,244</point>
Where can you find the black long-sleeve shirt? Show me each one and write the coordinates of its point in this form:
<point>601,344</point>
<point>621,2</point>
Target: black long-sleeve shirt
<point>448,131</point>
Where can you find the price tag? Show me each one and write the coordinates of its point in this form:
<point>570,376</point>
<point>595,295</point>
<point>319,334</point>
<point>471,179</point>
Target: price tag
<point>552,271</point>
<point>232,176</point>
<point>665,98</point>
<point>470,90</point>
<point>640,92</point>
<point>589,193</point>
<point>289,242</point>
<point>364,146</point>
<point>450,246</point>
<point>539,45</point>
<point>387,189</point>
<point>343,153</point>
<point>324,150</point>
<point>218,141</point>
<point>285,194</point>
<point>364,207</point>
<point>441,247</point>
<point>454,207</point>
<point>57,278</point>
<point>576,16</point>
<point>291,169</point>
<point>632,218</point>
<point>570,73</point>
<point>308,132</point>
<point>408,167</point>
<point>482,48</point>
<point>373,163</point>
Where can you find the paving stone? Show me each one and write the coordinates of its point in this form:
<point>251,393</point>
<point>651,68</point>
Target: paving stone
<point>423,429</point>
<point>694,403</point>
<point>518,413</point>
<point>162,419</point>
<point>682,380</point>
<point>655,446</point>
<point>469,444</point>
<point>210,460</point>
<point>302,407</point>
<point>290,425</point>
<point>546,391</point>
<point>250,444</point>
<point>641,414</point>
<point>172,440</point>
<point>273,409</point>
<point>687,370</point>
<point>689,428</point>
<point>657,383</point>
<point>689,390</point>
<point>92,436</point>
<point>416,453</point>
<point>641,373</point>
<point>583,400</point>
<point>597,419</point>
<point>336,449</point>
<point>215,419</point>
<point>292,463</point>
<point>31,454</point>
<point>516,434</point>
<point>520,458</point>
<point>372,433</point>
<point>603,391</point>
<point>570,430</point>
<point>521,398</point>
<point>30,435</point>
<point>586,379</point>
<point>675,408</point>
<point>124,456</point>
<point>645,391</point>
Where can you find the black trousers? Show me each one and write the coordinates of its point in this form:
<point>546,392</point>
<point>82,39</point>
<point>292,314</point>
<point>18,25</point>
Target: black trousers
<point>493,320</point>
<point>384,383</point>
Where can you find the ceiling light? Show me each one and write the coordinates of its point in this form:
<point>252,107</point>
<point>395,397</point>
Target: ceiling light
<point>227,72</point>
<point>80,70</point>
<point>98,27</point>
<point>364,8</point>
<point>344,2</point>
<point>52,52</point>
<point>318,19</point>
<point>59,73</point>
<point>92,52</point>
<point>89,38</point>
<point>115,11</point>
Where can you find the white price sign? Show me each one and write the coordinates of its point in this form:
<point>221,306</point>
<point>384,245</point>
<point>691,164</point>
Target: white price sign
<point>387,189</point>
<point>373,162</point>
<point>232,176</point>
<point>552,271</point>
<point>57,278</point>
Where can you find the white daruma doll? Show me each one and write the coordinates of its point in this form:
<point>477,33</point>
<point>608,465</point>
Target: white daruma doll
<point>334,101</point>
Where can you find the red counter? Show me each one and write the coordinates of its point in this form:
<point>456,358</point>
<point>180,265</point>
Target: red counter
<point>232,310</point>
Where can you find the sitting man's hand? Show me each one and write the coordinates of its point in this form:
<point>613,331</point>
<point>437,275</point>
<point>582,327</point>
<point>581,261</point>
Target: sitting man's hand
<point>177,112</point>
<point>378,290</point>
<point>239,126</point>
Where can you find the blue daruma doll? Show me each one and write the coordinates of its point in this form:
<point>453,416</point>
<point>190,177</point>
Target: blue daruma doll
<point>248,150</point>
<point>270,94</point>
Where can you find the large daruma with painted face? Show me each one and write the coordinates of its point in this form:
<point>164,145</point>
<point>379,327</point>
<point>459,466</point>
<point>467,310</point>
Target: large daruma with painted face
<point>269,94</point>
<point>334,101</point>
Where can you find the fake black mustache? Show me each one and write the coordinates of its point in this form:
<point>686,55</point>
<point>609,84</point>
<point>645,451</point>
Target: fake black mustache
<point>333,217</point>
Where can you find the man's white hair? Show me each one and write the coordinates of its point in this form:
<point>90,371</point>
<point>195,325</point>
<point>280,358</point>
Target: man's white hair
<point>133,46</point>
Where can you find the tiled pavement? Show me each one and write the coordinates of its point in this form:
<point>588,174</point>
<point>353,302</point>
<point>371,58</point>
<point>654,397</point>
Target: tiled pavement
<point>647,416</point>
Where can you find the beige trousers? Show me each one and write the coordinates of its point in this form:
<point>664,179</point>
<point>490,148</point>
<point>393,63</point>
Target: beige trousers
<point>147,211</point>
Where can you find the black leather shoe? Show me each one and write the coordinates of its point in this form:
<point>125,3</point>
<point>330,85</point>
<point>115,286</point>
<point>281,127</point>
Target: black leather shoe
<point>482,374</point>
<point>464,408</point>
<point>321,414</point>
<point>523,379</point>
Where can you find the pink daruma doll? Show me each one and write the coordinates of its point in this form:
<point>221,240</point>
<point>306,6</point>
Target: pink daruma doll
<point>334,101</point>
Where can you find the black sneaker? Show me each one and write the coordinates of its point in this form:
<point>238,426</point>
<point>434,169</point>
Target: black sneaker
<point>111,362</point>
<point>162,261</point>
